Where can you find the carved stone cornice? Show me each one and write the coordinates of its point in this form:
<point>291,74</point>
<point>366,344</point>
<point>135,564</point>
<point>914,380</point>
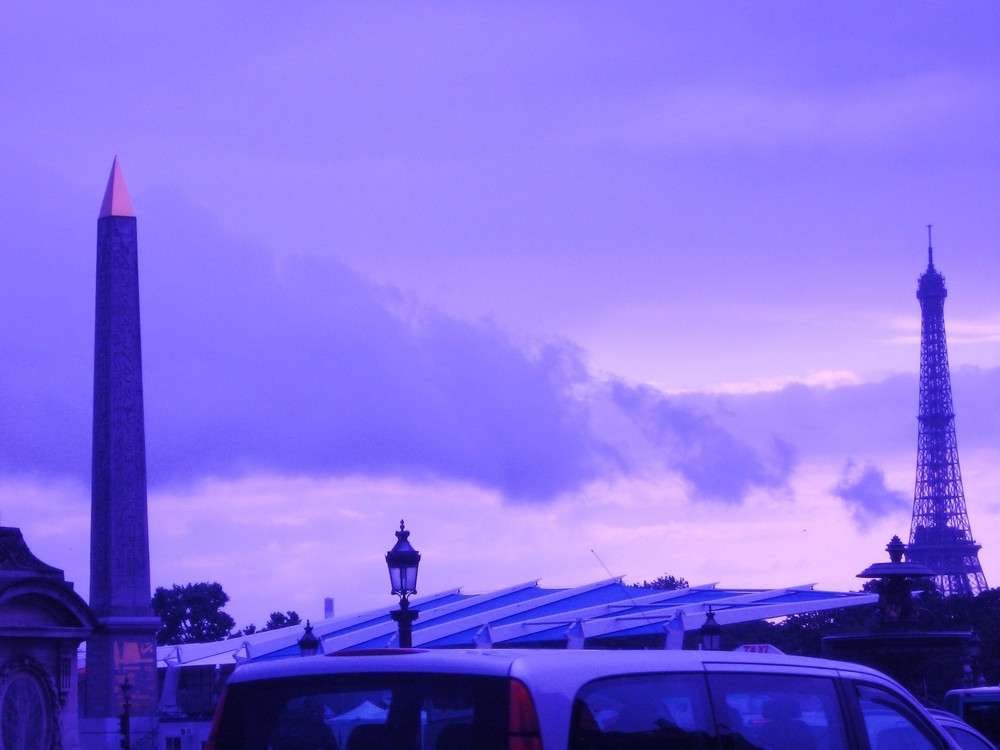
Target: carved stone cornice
<point>16,560</point>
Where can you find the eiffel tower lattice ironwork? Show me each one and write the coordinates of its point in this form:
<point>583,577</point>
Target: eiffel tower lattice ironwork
<point>940,536</point>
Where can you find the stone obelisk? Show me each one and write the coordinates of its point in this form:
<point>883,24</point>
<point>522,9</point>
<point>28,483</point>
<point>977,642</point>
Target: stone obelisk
<point>122,651</point>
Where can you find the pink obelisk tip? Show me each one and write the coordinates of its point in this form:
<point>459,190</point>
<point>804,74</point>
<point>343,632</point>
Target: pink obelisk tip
<point>116,198</point>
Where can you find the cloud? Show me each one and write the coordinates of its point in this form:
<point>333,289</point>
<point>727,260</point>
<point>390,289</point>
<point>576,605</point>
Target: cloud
<point>717,463</point>
<point>256,364</point>
<point>299,365</point>
<point>870,419</point>
<point>47,308</point>
<point>820,379</point>
<point>961,332</point>
<point>864,492</point>
<point>296,365</point>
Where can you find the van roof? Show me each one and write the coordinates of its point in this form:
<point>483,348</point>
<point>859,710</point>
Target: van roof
<point>534,665</point>
<point>976,691</point>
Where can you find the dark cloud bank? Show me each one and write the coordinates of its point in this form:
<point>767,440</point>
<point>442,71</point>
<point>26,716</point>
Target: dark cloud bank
<point>298,365</point>
<point>864,492</point>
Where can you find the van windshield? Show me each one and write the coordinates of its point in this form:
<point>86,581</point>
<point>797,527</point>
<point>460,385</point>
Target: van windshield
<point>361,712</point>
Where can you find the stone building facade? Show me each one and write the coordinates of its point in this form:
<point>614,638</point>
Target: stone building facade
<point>42,623</point>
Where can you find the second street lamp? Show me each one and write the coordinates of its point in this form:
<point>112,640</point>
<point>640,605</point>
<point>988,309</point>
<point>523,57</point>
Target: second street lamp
<point>403,562</point>
<point>711,633</point>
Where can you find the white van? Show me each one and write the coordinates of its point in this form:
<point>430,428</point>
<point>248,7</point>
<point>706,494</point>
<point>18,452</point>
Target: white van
<point>979,706</point>
<point>572,700</point>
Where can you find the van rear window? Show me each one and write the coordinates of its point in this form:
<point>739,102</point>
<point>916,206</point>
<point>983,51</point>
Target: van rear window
<point>365,712</point>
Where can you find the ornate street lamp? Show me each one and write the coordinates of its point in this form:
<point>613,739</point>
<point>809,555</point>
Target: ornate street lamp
<point>711,633</point>
<point>308,644</point>
<point>403,562</point>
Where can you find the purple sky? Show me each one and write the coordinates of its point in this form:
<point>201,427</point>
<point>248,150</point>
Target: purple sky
<point>565,286</point>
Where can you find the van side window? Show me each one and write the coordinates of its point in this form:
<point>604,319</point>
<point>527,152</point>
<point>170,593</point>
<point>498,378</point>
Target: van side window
<point>967,740</point>
<point>983,713</point>
<point>777,712</point>
<point>643,711</point>
<point>892,724</point>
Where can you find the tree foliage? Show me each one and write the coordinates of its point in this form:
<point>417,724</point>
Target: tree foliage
<point>663,583</point>
<point>277,621</point>
<point>280,620</point>
<point>192,613</point>
<point>977,613</point>
<point>803,634</point>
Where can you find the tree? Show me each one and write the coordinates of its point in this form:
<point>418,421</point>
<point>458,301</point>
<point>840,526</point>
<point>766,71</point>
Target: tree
<point>277,621</point>
<point>663,583</point>
<point>192,613</point>
<point>280,620</point>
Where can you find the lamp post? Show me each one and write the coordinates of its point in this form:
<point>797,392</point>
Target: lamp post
<point>125,718</point>
<point>973,675</point>
<point>711,633</point>
<point>403,562</point>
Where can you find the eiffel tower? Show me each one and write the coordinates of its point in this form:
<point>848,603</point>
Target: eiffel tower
<point>940,536</point>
